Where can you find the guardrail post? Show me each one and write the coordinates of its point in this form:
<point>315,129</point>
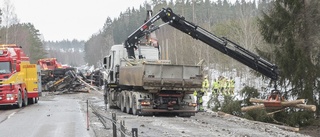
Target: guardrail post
<point>134,132</point>
<point>122,128</point>
<point>87,114</point>
<point>114,122</point>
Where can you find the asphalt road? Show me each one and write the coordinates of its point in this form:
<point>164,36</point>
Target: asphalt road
<point>52,116</point>
<point>203,124</point>
<point>65,116</point>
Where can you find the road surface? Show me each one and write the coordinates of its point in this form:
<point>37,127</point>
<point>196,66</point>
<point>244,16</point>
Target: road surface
<point>204,124</point>
<point>52,116</point>
<point>64,115</point>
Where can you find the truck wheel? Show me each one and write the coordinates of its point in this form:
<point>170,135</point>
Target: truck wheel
<point>128,109</point>
<point>105,98</point>
<point>31,100</point>
<point>25,98</point>
<point>19,104</point>
<point>122,104</point>
<point>36,100</point>
<point>134,105</point>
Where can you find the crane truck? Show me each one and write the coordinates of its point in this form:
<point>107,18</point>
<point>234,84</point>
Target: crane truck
<point>20,81</point>
<point>137,82</point>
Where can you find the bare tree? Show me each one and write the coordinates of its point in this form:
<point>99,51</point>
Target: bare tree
<point>9,17</point>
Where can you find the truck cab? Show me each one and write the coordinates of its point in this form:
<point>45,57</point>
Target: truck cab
<point>112,61</point>
<point>19,80</point>
<point>118,57</point>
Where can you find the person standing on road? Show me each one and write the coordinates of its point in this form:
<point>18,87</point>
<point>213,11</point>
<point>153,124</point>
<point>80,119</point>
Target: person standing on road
<point>231,89</point>
<point>204,90</point>
<point>215,91</point>
<point>223,86</point>
<point>200,94</point>
<point>215,85</point>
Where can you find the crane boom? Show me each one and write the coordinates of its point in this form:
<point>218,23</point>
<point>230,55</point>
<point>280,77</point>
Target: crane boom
<point>222,44</point>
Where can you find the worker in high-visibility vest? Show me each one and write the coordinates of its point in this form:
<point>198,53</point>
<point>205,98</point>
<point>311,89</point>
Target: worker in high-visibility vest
<point>231,89</point>
<point>227,90</point>
<point>215,91</point>
<point>215,85</point>
<point>220,87</point>
<point>199,94</point>
<point>224,86</point>
<point>205,85</point>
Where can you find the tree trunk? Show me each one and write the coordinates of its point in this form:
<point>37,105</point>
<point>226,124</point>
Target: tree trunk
<point>283,103</point>
<point>248,108</point>
<point>295,103</point>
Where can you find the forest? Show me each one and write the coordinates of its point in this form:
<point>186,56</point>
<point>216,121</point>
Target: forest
<point>285,32</point>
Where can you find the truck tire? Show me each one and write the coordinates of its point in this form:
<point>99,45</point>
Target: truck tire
<point>19,104</point>
<point>105,98</point>
<point>25,98</point>
<point>122,103</point>
<point>111,104</point>
<point>134,105</point>
<point>36,100</point>
<point>31,100</point>
<point>128,108</point>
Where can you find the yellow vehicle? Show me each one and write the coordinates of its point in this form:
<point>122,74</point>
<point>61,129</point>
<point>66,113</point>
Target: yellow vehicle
<point>20,81</point>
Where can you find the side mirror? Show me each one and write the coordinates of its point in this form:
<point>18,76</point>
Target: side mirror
<point>18,67</point>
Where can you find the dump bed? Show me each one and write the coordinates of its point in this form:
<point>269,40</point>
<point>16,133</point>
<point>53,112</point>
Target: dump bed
<point>156,77</point>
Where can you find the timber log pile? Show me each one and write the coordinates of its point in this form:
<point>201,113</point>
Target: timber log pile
<point>300,103</point>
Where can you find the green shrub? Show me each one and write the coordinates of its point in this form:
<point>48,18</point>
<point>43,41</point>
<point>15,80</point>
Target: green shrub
<point>247,93</point>
<point>231,106</point>
<point>258,115</point>
<point>296,118</point>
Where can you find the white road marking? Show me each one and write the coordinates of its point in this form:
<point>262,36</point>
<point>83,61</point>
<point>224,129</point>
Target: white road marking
<point>11,115</point>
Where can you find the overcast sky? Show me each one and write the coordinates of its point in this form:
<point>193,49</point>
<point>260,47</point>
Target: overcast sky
<point>69,19</point>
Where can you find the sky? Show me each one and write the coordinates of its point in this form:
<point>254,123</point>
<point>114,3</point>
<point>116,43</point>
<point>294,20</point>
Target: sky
<point>69,19</point>
<point>60,20</point>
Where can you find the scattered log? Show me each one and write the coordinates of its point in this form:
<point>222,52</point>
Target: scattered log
<point>248,108</point>
<point>284,103</point>
<point>307,107</point>
<point>220,113</point>
<point>294,129</point>
<point>86,84</point>
<point>272,113</point>
<point>294,103</point>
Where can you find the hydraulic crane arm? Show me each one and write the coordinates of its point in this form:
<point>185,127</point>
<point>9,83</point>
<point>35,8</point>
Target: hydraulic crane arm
<point>222,44</point>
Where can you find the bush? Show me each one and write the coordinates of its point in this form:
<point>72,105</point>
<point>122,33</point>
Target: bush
<point>290,116</point>
<point>258,115</point>
<point>247,93</point>
<point>231,106</point>
<point>296,118</point>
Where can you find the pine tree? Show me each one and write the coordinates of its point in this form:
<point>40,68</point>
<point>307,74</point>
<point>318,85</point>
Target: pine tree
<point>36,49</point>
<point>291,29</point>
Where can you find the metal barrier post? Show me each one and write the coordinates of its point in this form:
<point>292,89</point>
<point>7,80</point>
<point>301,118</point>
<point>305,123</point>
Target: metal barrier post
<point>114,126</point>
<point>134,132</point>
<point>122,128</point>
<point>87,114</point>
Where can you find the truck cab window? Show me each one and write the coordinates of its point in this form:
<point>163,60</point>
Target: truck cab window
<point>148,52</point>
<point>5,67</point>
